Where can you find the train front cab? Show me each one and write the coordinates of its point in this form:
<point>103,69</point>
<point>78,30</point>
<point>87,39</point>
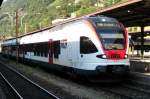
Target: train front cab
<point>110,57</point>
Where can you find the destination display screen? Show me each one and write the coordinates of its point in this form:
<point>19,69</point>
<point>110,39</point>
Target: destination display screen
<point>105,22</point>
<point>107,25</point>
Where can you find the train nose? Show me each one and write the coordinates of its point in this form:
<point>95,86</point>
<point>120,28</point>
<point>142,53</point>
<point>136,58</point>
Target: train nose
<point>101,69</point>
<point>112,69</point>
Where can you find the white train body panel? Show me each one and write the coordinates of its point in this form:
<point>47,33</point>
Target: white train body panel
<point>70,54</point>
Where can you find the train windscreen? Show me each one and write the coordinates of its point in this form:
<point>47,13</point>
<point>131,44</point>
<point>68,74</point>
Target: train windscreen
<point>112,38</point>
<point>110,33</point>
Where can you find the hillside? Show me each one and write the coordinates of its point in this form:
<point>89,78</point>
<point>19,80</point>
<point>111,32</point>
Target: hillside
<point>36,14</point>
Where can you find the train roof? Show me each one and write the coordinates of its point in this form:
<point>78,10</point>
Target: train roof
<point>92,18</point>
<point>102,19</point>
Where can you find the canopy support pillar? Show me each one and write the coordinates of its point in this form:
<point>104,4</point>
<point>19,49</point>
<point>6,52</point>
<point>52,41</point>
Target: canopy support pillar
<point>142,41</point>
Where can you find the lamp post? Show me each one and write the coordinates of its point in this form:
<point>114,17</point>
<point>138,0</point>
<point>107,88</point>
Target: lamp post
<point>25,27</point>
<point>17,43</point>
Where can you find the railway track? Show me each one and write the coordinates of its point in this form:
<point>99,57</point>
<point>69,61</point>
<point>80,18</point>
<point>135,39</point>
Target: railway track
<point>125,91</point>
<point>20,87</point>
<point>10,92</point>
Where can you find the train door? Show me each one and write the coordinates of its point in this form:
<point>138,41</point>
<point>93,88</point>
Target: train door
<point>50,51</point>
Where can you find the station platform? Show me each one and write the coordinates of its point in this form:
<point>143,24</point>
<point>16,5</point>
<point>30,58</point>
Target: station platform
<point>141,65</point>
<point>140,70</point>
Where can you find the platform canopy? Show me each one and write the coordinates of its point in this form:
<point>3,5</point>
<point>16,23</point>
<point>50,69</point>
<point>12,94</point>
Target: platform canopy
<point>131,13</point>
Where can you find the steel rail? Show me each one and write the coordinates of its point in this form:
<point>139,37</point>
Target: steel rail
<point>30,81</point>
<point>8,83</point>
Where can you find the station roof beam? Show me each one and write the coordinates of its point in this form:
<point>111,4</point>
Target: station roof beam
<point>131,13</point>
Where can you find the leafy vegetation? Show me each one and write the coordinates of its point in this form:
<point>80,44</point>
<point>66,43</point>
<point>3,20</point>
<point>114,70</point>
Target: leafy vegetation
<point>36,14</point>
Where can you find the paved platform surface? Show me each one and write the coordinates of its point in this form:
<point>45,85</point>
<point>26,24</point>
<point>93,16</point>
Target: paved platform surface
<point>140,70</point>
<point>140,59</point>
<point>141,78</point>
<point>147,74</point>
<point>142,65</point>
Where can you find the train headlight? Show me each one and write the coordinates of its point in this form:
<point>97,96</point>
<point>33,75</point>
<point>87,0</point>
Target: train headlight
<point>126,56</point>
<point>104,56</point>
<point>101,56</point>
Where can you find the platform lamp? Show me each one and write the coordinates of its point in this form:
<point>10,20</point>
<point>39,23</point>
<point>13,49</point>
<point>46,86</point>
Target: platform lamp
<point>17,43</point>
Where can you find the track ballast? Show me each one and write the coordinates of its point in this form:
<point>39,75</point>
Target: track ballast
<point>23,87</point>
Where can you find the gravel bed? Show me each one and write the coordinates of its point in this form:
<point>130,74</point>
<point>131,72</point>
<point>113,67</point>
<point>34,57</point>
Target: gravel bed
<point>64,88</point>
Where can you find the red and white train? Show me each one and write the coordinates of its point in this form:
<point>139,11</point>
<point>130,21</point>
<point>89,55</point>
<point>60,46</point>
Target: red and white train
<point>88,46</point>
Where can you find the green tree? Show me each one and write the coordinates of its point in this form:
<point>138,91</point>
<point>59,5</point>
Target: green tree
<point>48,10</point>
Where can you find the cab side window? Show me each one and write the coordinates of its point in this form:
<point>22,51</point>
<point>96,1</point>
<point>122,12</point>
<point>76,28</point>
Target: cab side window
<point>87,46</point>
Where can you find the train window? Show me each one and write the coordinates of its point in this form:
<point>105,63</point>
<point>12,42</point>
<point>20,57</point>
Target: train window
<point>35,53</point>
<point>42,54</point>
<point>38,53</point>
<point>87,46</point>
<point>45,49</point>
<point>45,54</point>
<point>25,53</point>
<point>56,46</point>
